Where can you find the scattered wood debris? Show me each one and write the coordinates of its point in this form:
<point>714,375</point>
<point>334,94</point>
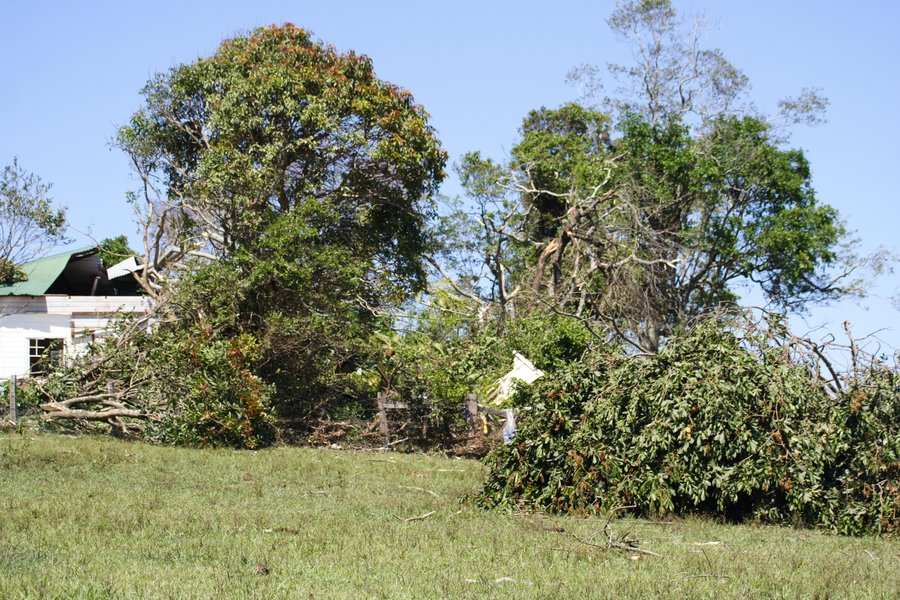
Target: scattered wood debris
<point>613,542</point>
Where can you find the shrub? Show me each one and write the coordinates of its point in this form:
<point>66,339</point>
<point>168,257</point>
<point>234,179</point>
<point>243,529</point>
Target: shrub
<point>214,397</point>
<point>726,420</point>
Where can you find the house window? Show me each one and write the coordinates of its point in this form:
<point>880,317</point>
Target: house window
<point>44,352</point>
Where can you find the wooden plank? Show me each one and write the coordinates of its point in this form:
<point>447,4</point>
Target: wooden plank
<point>12,399</point>
<point>383,422</point>
<point>472,412</point>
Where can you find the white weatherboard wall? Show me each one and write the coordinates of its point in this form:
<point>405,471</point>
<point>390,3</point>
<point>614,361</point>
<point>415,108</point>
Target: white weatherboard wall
<point>69,318</point>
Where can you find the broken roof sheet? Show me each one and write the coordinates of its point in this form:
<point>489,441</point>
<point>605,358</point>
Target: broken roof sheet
<point>126,267</point>
<point>42,273</point>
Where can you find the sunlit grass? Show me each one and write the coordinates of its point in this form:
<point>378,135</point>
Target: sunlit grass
<point>97,518</point>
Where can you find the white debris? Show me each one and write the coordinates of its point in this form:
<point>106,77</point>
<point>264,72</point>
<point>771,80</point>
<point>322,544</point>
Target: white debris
<point>523,370</point>
<point>125,267</point>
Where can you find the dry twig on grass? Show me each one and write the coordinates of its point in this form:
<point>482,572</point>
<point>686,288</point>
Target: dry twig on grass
<point>419,489</point>
<point>412,519</point>
<point>710,575</point>
<point>613,542</point>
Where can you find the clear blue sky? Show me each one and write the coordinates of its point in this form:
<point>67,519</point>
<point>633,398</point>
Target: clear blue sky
<point>72,72</point>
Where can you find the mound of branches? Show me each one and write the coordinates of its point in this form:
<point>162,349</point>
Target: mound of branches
<point>171,383</point>
<point>735,417</point>
<point>99,387</point>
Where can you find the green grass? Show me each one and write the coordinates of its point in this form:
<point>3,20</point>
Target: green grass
<point>96,518</point>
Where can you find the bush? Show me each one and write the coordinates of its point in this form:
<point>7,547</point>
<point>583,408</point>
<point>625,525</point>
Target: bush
<point>725,420</point>
<point>191,385</point>
<point>214,397</point>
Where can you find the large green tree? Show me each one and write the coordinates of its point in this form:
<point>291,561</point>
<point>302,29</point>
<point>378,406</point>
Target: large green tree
<point>277,123</point>
<point>286,192</point>
<point>640,215</point>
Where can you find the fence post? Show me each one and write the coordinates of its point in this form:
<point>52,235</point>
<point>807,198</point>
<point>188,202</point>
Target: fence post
<point>12,399</point>
<point>383,422</point>
<point>472,412</point>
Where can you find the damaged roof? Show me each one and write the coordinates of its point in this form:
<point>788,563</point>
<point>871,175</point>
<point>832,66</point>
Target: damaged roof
<point>44,272</point>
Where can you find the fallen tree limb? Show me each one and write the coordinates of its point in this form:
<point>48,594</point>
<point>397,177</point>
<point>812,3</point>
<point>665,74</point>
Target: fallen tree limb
<point>57,412</point>
<point>420,489</point>
<point>625,546</point>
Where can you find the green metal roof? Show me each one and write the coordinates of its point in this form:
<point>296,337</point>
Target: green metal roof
<point>42,273</point>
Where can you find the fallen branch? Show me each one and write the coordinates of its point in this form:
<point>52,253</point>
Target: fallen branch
<point>418,489</point>
<point>625,546</point>
<point>418,518</point>
<point>613,543</point>
<point>56,412</point>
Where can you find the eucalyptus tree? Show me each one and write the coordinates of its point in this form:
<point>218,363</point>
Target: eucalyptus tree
<point>642,211</point>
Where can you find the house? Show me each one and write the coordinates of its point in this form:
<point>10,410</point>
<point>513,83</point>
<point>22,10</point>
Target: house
<point>66,303</point>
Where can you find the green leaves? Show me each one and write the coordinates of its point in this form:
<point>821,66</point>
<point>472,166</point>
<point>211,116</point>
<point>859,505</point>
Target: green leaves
<point>29,223</point>
<point>303,184</point>
<point>273,121</point>
<point>114,250</point>
<point>655,226</point>
<point>221,401</point>
<point>721,421</point>
<point>641,218</point>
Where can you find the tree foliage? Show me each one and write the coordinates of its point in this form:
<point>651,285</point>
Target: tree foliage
<point>448,355</point>
<point>285,193</point>
<point>642,217</point>
<point>734,417</point>
<point>168,384</point>
<point>277,125</point>
<point>114,250</point>
<point>29,223</point>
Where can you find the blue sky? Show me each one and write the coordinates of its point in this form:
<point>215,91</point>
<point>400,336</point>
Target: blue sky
<point>72,72</point>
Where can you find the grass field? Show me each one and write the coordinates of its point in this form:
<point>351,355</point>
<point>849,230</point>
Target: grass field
<point>97,518</point>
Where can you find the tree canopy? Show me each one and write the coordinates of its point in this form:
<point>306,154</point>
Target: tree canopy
<point>653,207</point>
<point>274,125</point>
<point>285,200</point>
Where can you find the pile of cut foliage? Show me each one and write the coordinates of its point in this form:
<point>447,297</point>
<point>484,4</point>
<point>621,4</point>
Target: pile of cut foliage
<point>731,418</point>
